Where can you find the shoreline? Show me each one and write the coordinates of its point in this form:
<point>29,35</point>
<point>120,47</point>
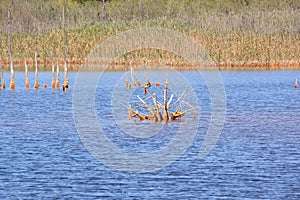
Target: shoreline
<point>74,65</point>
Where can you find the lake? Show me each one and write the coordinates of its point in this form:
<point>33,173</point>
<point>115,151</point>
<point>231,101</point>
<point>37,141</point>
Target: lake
<point>256,157</point>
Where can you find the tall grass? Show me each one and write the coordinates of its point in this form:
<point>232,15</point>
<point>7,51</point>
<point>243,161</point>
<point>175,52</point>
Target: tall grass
<point>232,32</point>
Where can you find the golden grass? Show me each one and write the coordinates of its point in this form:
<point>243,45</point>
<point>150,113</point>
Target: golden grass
<point>230,50</point>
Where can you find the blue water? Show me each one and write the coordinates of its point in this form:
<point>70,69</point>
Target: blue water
<point>256,157</point>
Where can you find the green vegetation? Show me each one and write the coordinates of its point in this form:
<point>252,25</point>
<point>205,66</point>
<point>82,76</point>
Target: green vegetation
<point>232,30</point>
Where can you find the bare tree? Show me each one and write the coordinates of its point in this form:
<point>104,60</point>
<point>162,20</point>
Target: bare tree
<point>53,71</point>
<point>2,86</point>
<point>36,84</point>
<point>57,82</point>
<point>12,73</point>
<point>66,81</point>
<point>27,85</point>
<point>156,109</point>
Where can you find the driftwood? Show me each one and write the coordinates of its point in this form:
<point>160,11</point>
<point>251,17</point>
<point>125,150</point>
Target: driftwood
<point>157,115</point>
<point>136,113</point>
<point>146,106</point>
<point>156,109</point>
